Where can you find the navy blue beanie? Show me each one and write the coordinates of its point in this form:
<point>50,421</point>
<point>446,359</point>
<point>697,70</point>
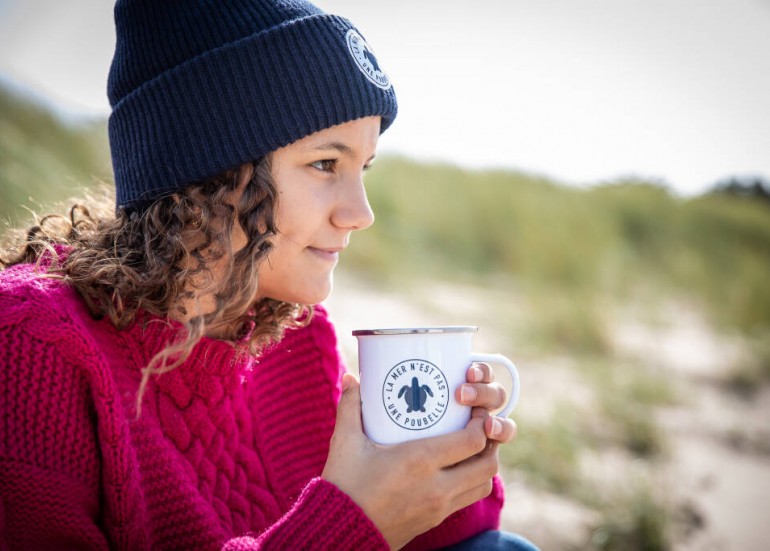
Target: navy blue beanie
<point>200,87</point>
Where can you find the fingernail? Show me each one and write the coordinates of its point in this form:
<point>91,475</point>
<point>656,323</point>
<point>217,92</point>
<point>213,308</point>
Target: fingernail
<point>497,427</point>
<point>467,393</point>
<point>476,374</point>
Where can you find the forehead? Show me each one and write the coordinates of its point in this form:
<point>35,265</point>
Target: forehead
<point>357,137</point>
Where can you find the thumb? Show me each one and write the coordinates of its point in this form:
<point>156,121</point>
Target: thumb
<point>349,408</point>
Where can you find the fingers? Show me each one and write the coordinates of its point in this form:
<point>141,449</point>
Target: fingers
<point>347,380</point>
<point>484,395</point>
<point>348,439</point>
<point>500,430</point>
<point>490,396</point>
<point>481,390</point>
<point>349,408</point>
<point>471,480</point>
<point>450,449</point>
<point>496,428</point>
<point>473,495</point>
<point>480,373</point>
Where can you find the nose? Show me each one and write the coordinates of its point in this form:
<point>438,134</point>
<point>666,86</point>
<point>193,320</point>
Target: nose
<point>353,211</point>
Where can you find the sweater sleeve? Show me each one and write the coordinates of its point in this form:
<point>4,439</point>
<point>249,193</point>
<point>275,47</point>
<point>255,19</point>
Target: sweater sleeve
<point>44,509</point>
<point>48,460</point>
<point>323,518</point>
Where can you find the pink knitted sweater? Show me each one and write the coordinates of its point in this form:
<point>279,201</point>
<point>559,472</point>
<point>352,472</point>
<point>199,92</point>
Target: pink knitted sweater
<point>226,454</point>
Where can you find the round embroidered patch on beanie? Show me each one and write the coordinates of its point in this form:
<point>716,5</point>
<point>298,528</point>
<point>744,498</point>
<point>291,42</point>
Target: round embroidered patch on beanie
<point>210,86</point>
<point>366,60</point>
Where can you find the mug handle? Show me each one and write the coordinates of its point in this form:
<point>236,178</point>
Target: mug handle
<point>508,364</point>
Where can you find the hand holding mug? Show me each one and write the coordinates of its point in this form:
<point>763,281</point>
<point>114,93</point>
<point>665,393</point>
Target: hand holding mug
<point>407,489</point>
<point>484,395</point>
<point>416,383</point>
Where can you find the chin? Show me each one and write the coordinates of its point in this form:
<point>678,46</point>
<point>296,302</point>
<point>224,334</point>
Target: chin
<point>317,298</point>
<point>306,296</point>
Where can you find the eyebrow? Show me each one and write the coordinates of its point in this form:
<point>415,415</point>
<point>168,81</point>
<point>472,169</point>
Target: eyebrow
<point>336,146</point>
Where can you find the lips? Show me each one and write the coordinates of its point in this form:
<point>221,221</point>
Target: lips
<point>331,253</point>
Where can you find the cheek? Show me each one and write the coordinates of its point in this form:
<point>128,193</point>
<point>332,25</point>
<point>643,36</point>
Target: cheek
<point>302,207</point>
<point>282,260</point>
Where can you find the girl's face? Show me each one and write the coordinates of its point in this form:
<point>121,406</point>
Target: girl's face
<point>321,201</point>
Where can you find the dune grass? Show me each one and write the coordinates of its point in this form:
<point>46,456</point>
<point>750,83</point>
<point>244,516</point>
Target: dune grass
<point>569,246</point>
<point>634,520</point>
<point>44,160</point>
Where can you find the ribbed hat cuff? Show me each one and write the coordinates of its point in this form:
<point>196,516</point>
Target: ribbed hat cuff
<point>237,103</point>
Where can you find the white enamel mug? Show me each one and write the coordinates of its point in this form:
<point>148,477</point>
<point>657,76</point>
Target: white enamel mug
<point>409,379</point>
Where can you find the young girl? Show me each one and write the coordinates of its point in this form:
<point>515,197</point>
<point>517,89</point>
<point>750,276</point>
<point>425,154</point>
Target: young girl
<point>165,382</point>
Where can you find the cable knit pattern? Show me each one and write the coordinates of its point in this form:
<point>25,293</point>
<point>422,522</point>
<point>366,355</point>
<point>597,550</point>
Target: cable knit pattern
<point>226,454</point>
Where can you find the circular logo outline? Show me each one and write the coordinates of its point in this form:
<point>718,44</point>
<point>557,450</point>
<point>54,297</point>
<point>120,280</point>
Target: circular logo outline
<point>438,377</point>
<point>367,64</point>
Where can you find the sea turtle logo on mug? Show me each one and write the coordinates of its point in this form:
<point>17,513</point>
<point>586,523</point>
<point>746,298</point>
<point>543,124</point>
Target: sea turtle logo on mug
<point>365,60</point>
<point>415,394</point>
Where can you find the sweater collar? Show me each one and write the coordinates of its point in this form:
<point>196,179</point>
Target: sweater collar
<point>209,355</point>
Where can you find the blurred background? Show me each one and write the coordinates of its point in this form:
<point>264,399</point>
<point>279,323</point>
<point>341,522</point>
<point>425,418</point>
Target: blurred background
<point>587,181</point>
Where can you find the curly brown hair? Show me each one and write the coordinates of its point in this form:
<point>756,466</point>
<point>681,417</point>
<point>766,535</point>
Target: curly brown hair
<point>159,258</point>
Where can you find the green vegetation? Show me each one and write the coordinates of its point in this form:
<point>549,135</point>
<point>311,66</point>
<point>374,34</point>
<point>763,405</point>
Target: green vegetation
<point>43,160</point>
<point>749,375</point>
<point>635,521</point>
<point>627,395</point>
<point>548,452</point>
<point>568,246</point>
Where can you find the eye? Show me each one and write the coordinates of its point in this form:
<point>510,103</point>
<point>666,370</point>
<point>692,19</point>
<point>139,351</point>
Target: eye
<point>325,165</point>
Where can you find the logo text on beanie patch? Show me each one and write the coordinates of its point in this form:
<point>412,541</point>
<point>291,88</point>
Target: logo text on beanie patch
<point>365,60</point>
<point>415,394</point>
